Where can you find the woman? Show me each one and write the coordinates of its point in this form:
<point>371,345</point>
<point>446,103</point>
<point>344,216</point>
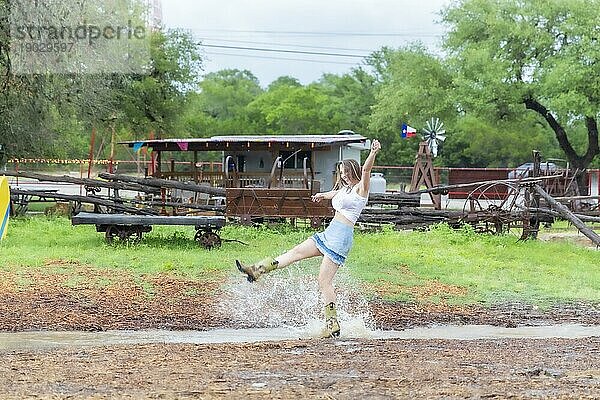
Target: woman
<point>348,197</point>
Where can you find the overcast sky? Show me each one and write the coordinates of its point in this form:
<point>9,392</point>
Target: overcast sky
<point>351,27</point>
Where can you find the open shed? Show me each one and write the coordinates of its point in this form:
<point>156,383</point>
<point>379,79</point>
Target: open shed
<point>259,161</point>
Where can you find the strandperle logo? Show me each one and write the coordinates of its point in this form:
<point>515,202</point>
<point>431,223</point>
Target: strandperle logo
<point>79,36</point>
<point>83,31</point>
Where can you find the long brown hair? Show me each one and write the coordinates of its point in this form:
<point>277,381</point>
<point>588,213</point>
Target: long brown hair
<point>351,168</point>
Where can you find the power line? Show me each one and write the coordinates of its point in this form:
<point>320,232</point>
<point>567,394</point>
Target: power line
<point>283,44</point>
<point>316,33</point>
<point>281,58</point>
<point>284,51</point>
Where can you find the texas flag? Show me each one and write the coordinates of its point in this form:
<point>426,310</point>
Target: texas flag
<point>408,131</point>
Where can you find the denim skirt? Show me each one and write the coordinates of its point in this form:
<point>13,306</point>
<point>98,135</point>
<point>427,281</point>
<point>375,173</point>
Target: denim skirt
<point>335,241</point>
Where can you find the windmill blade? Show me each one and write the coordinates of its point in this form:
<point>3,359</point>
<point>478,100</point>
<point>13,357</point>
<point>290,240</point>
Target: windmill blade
<point>441,137</point>
<point>441,131</point>
<point>437,123</point>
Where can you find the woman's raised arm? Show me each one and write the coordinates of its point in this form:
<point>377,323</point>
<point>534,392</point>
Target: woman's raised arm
<point>365,181</point>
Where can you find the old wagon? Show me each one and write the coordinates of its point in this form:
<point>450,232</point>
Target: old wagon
<point>131,227</point>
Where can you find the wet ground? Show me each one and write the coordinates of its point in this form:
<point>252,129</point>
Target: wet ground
<point>320,369</point>
<point>354,366</point>
<point>95,300</point>
<point>42,340</point>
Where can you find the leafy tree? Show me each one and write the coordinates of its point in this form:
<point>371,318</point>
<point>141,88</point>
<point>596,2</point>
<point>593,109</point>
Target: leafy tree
<point>475,141</point>
<point>351,97</point>
<point>326,106</point>
<point>220,107</point>
<point>153,102</point>
<point>536,55</point>
<point>48,114</point>
<point>284,81</point>
<point>292,110</point>
<point>415,86</point>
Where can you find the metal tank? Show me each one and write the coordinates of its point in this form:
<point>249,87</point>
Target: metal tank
<point>377,183</point>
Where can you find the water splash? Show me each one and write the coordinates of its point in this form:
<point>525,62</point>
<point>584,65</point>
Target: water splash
<point>290,298</point>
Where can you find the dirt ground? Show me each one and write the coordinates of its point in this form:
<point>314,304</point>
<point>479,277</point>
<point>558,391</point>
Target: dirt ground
<point>328,369</point>
<point>320,369</point>
<point>86,299</point>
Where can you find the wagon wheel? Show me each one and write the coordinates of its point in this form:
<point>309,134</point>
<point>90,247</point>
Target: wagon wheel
<point>208,239</point>
<point>19,205</point>
<point>246,219</point>
<point>493,207</point>
<point>316,222</point>
<point>75,207</point>
<point>122,234</point>
<point>135,234</point>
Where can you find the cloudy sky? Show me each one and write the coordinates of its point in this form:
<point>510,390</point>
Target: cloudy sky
<point>272,38</point>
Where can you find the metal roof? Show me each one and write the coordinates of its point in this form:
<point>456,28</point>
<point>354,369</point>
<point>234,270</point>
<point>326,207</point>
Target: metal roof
<point>246,142</point>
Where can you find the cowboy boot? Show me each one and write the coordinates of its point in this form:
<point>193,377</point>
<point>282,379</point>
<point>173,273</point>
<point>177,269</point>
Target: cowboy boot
<point>332,326</point>
<point>254,271</point>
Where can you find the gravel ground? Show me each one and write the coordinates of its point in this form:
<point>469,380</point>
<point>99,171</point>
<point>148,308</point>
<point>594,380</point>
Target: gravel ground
<point>325,369</point>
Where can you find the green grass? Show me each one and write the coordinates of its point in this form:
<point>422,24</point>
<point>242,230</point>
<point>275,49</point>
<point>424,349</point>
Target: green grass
<point>492,268</point>
<point>459,267</point>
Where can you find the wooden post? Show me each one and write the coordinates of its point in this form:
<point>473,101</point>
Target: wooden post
<point>81,177</point>
<point>112,148</point>
<point>195,166</point>
<point>532,225</point>
<point>91,157</point>
<point>153,157</point>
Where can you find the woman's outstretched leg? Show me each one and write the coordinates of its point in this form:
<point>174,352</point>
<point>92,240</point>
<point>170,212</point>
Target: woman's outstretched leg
<point>326,274</point>
<point>304,250</point>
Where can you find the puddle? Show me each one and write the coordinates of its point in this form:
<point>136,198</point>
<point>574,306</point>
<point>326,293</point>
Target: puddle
<point>27,341</point>
<point>476,332</point>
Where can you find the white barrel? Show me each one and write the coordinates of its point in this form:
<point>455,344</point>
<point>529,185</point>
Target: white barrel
<point>377,183</point>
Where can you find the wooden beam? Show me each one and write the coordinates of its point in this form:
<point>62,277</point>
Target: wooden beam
<point>447,188</point>
<point>83,199</point>
<point>165,183</point>
<point>583,217</point>
<point>568,215</point>
<point>82,181</point>
<point>84,218</point>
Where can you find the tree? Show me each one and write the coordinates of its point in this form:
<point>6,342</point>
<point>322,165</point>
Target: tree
<point>284,81</point>
<point>292,110</point>
<point>514,55</point>
<point>51,114</point>
<point>153,101</point>
<point>351,97</point>
<point>220,106</point>
<point>415,86</point>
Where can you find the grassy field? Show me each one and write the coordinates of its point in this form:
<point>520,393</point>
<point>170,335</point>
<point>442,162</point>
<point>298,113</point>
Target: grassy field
<point>410,266</point>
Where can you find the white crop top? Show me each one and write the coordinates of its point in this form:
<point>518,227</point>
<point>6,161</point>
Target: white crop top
<point>349,203</point>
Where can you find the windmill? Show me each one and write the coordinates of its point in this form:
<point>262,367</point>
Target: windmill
<point>423,172</point>
<point>434,134</point>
